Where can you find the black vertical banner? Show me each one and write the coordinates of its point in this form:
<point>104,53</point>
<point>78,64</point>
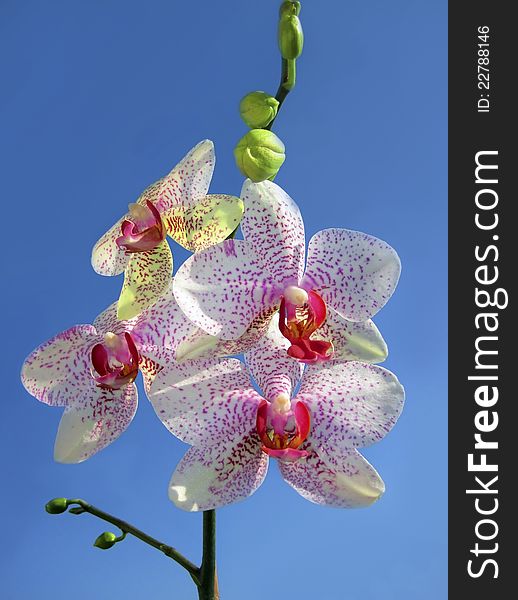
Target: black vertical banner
<point>483,327</point>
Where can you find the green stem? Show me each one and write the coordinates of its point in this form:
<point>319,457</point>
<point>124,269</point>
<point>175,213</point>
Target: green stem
<point>288,80</point>
<point>208,588</point>
<point>126,528</point>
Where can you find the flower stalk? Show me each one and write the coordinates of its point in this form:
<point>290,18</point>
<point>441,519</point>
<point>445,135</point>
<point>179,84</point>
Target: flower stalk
<point>127,528</point>
<point>288,80</point>
<point>208,588</point>
<point>204,576</point>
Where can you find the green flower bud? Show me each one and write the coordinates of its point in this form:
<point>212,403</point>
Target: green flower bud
<point>106,540</point>
<point>56,506</point>
<point>258,109</point>
<point>290,35</point>
<point>259,154</point>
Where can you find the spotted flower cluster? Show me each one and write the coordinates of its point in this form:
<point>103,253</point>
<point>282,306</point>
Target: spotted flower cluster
<point>308,393</point>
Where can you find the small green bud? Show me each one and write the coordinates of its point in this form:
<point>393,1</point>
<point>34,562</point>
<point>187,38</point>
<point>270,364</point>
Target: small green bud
<point>56,506</point>
<point>259,154</point>
<point>290,36</point>
<point>106,540</point>
<point>258,109</point>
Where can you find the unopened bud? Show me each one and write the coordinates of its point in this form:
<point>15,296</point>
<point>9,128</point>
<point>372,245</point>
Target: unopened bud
<point>56,506</point>
<point>258,109</point>
<point>290,34</point>
<point>259,154</point>
<point>106,540</point>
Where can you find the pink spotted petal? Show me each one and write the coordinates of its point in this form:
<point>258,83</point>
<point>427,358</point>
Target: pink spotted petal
<point>352,341</point>
<point>273,226</point>
<point>107,258</point>
<point>354,273</point>
<point>353,483</point>
<point>189,180</point>
<point>208,222</point>
<point>200,344</point>
<point>95,419</point>
<point>147,277</point>
<point>214,476</point>
<point>164,334</point>
<point>203,402</point>
<point>107,321</point>
<point>149,369</point>
<point>271,367</point>
<point>223,289</point>
<point>352,404</point>
<point>55,371</point>
<point>151,194</point>
<point>163,325</point>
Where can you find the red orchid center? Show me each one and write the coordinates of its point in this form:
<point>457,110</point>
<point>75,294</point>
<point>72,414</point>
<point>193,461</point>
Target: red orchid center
<point>115,361</point>
<point>143,230</point>
<point>283,427</point>
<point>301,314</point>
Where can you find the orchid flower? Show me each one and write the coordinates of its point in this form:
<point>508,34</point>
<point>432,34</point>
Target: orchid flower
<point>169,336</point>
<point>324,310</point>
<point>177,205</point>
<point>90,371</point>
<point>314,434</point>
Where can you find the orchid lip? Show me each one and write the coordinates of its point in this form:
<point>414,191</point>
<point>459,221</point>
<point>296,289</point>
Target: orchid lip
<point>286,455</point>
<point>115,361</point>
<point>301,314</point>
<point>283,426</point>
<point>143,231</point>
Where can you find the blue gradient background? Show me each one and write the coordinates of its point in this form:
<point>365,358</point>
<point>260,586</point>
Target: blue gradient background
<point>99,99</point>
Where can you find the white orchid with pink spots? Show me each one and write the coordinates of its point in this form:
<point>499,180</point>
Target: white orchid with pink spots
<point>325,303</point>
<point>307,394</point>
<point>177,205</point>
<point>314,434</point>
<point>90,371</point>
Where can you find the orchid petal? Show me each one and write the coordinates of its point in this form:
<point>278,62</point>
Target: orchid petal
<point>151,193</point>
<point>97,419</point>
<point>352,404</point>
<point>224,288</point>
<point>107,258</point>
<point>164,334</point>
<point>54,370</point>
<point>162,326</point>
<point>149,369</point>
<point>210,221</point>
<point>352,341</point>
<point>202,345</point>
<point>189,180</point>
<point>201,400</point>
<point>271,367</point>
<point>355,484</point>
<point>210,477</point>
<point>146,278</point>
<point>354,273</point>
<point>107,321</point>
<point>273,227</point>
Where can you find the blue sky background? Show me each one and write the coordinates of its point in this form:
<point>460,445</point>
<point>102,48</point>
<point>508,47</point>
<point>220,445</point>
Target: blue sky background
<point>101,98</point>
